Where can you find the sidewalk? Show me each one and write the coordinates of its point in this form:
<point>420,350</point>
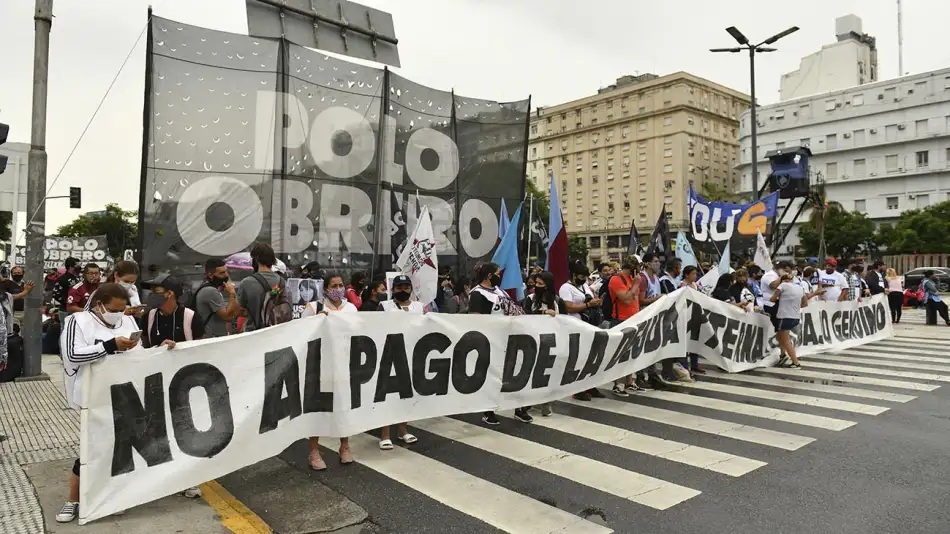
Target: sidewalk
<point>39,440</point>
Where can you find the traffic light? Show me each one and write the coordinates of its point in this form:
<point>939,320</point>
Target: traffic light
<point>4,130</point>
<point>75,197</point>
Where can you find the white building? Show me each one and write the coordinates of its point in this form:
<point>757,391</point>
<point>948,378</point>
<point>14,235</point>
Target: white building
<point>882,148</point>
<point>850,61</point>
<point>13,185</point>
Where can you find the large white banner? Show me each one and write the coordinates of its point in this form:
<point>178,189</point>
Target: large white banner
<point>167,420</point>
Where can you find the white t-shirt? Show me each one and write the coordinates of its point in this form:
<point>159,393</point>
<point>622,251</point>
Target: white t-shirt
<point>790,301</point>
<point>764,283</point>
<point>570,293</point>
<point>311,308</point>
<point>833,283</point>
<point>414,307</point>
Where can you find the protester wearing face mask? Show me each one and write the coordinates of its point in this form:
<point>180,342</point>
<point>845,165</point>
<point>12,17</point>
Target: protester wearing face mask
<point>459,302</point>
<point>216,301</point>
<point>401,303</point>
<point>334,301</point>
<point>486,298</point>
<point>88,336</point>
<point>544,301</point>
<point>374,296</point>
<point>11,281</point>
<point>254,289</point>
<point>125,274</point>
<point>65,282</point>
<point>169,323</point>
<point>79,294</point>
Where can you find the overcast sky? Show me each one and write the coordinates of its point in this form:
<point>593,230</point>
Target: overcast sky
<point>498,49</point>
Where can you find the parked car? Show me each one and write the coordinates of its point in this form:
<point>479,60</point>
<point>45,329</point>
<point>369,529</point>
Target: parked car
<point>914,277</point>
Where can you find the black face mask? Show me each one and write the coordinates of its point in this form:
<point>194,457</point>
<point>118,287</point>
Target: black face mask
<point>380,297</point>
<point>494,279</point>
<point>218,282</point>
<point>18,278</point>
<point>402,296</point>
<point>155,300</point>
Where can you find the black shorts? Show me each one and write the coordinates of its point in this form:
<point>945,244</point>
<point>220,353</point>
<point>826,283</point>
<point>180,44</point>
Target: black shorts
<point>787,324</point>
<point>772,312</point>
<point>76,467</point>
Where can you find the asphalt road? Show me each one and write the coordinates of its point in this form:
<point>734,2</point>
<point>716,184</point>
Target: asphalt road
<point>855,443</point>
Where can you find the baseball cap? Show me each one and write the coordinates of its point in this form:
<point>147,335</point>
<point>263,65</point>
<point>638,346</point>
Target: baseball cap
<point>831,261</point>
<point>166,281</point>
<point>401,280</point>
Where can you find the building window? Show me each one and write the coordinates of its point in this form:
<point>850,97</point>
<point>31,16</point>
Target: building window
<point>610,104</point>
<point>830,105</point>
<point>642,126</point>
<point>860,206</point>
<point>922,128</point>
<point>668,140</point>
<point>857,100</point>
<point>859,168</point>
<point>626,147</point>
<point>534,129</point>
<point>578,139</point>
<point>923,158</point>
<point>642,172</point>
<point>831,141</point>
<point>668,153</point>
<point>890,163</point>
<point>831,171</point>
<point>667,121</point>
<point>923,201</point>
<point>892,203</point>
<point>643,157</point>
<point>779,146</point>
<point>534,152</point>
<point>859,138</point>
<point>624,132</point>
<point>580,181</point>
<point>667,169</point>
<point>890,132</point>
<point>804,142</point>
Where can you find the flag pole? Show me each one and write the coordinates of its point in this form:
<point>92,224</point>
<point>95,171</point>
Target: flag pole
<point>527,255</point>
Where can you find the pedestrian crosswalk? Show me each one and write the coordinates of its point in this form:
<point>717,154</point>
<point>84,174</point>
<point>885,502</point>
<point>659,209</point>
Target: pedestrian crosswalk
<point>657,449</point>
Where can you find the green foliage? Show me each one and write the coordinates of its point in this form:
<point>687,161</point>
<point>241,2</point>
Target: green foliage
<point>846,233</point>
<point>119,226</point>
<point>717,193</point>
<point>925,231</point>
<point>542,205</point>
<point>576,249</point>
<point>6,226</point>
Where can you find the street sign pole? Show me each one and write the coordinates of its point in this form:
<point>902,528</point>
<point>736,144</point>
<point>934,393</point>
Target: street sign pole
<point>32,330</point>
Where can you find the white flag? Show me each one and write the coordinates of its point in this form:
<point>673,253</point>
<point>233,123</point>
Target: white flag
<point>418,260</point>
<point>707,283</point>
<point>762,257</point>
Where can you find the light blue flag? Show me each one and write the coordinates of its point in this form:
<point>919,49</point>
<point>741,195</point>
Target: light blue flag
<point>506,258</point>
<point>684,250</point>
<point>503,221</point>
<point>724,266</point>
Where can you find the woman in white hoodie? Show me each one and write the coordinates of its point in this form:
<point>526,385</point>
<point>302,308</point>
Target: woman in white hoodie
<point>92,334</point>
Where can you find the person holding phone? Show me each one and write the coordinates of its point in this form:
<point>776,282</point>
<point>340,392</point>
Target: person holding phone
<point>88,336</point>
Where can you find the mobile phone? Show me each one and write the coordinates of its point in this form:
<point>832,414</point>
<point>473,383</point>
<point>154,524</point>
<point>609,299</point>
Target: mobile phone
<point>136,336</point>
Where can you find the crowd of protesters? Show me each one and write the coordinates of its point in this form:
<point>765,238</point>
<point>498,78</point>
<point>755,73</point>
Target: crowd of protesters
<point>91,319</point>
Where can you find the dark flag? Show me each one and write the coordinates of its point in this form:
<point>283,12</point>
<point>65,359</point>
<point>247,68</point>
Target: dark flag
<point>397,226</point>
<point>635,246</point>
<point>660,240</point>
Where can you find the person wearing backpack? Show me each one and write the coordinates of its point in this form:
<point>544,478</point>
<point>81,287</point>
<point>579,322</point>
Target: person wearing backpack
<point>214,312</point>
<point>264,287</point>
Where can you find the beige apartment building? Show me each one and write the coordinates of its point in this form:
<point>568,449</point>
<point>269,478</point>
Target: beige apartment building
<point>620,156</point>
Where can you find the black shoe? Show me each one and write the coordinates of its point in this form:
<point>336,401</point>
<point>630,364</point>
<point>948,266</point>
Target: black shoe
<point>633,388</point>
<point>658,383</point>
<point>620,391</point>
<point>491,419</point>
<point>582,396</point>
<point>642,384</point>
<point>522,415</point>
<point>595,393</point>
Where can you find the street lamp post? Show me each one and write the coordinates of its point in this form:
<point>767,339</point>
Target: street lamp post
<point>603,235</point>
<point>745,44</point>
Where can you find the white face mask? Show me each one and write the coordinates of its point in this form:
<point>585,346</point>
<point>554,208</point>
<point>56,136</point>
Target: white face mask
<point>112,318</point>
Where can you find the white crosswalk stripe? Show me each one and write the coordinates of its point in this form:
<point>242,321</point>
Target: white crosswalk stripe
<point>640,449</point>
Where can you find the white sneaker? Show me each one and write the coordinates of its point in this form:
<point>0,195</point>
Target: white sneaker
<point>68,512</point>
<point>192,493</point>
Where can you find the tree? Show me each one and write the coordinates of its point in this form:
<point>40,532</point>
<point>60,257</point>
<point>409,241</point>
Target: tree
<point>119,226</point>
<point>846,233</point>
<point>576,249</point>
<point>717,193</point>
<point>925,231</point>
<point>542,205</point>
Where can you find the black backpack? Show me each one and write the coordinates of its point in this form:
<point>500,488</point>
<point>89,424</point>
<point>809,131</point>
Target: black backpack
<point>193,305</point>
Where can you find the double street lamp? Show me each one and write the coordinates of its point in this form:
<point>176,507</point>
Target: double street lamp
<point>745,44</point>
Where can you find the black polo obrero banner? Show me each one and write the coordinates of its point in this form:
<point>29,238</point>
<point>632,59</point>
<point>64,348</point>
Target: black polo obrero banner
<point>156,422</point>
